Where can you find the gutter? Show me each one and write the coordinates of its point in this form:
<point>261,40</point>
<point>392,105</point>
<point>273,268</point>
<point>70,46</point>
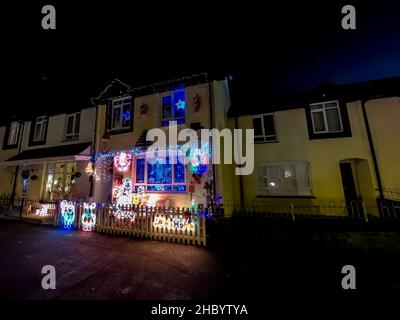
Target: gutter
<point>372,149</point>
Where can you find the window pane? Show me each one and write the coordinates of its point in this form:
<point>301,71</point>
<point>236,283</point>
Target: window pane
<point>140,163</point>
<point>77,122</point>
<point>160,172</point>
<point>318,121</point>
<point>331,104</point>
<point>274,177</point>
<point>167,107</point>
<point>262,178</point>
<point>316,106</point>
<point>126,116</point>
<point>179,104</point>
<point>179,172</point>
<point>70,124</point>
<point>116,118</point>
<point>257,127</point>
<point>332,116</point>
<point>289,178</point>
<point>269,125</point>
<point>37,131</point>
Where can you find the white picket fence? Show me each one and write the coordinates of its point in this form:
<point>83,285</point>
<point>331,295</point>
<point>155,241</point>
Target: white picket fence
<point>163,224</point>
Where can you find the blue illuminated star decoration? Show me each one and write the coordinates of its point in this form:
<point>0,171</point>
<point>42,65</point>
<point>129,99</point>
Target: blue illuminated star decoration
<point>180,104</point>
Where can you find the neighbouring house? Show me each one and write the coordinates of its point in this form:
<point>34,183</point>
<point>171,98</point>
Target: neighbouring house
<point>333,144</point>
<point>44,158</point>
<point>124,116</point>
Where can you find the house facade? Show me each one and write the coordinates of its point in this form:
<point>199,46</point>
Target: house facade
<point>336,144</point>
<point>44,158</point>
<point>125,115</point>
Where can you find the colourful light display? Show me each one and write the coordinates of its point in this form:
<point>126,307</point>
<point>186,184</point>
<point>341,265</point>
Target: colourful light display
<point>89,168</point>
<point>42,212</point>
<point>122,161</point>
<point>180,223</point>
<point>67,214</point>
<point>88,216</point>
<point>198,161</point>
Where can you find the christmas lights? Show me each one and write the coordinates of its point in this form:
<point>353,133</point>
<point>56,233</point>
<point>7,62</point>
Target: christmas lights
<point>122,161</point>
<point>174,223</point>
<point>88,216</point>
<point>67,213</point>
<point>89,169</point>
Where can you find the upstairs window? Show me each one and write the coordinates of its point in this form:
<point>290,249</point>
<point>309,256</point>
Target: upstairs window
<point>264,128</point>
<point>121,113</point>
<point>284,179</point>
<point>13,133</point>
<point>173,107</point>
<point>40,129</point>
<point>72,126</point>
<point>326,117</point>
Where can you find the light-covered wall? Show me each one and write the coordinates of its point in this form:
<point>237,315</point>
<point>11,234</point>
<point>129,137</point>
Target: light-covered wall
<point>150,120</point>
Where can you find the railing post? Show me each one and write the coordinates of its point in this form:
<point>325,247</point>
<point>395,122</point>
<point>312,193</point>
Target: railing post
<point>364,207</point>
<point>292,211</point>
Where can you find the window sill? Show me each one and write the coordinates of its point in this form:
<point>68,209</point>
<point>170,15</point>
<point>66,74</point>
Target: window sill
<point>262,142</point>
<point>286,197</point>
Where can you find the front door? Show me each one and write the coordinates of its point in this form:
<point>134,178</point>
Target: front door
<point>349,187</point>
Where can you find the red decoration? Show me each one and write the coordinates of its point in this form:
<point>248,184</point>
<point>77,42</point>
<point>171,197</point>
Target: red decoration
<point>196,103</point>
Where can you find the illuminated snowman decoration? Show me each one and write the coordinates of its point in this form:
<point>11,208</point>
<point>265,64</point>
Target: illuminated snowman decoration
<point>122,161</point>
<point>67,213</point>
<point>88,216</point>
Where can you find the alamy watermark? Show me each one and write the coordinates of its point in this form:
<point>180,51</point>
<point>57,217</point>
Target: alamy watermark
<point>206,149</point>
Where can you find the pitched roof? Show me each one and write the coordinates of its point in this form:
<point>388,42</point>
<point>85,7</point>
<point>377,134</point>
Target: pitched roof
<point>247,100</point>
<point>59,151</point>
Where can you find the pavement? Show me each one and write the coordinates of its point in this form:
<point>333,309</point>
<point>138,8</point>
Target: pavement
<point>97,266</point>
<point>241,263</point>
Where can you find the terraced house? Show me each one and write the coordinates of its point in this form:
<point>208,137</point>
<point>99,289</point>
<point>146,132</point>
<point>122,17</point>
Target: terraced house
<point>44,158</point>
<point>333,150</point>
<point>124,116</point>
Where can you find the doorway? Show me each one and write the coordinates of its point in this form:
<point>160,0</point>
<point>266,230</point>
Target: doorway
<point>349,189</point>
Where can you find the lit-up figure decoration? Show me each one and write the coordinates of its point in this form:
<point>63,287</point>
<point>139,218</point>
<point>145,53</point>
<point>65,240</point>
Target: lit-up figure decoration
<point>123,193</point>
<point>67,214</point>
<point>42,212</point>
<point>88,216</point>
<point>122,161</point>
<point>198,161</point>
<point>89,168</point>
<point>174,223</point>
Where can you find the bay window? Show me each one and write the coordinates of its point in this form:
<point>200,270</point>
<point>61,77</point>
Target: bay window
<point>284,179</point>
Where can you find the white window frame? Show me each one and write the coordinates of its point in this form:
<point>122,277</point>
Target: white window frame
<point>72,136</point>
<point>265,136</point>
<point>173,118</point>
<point>43,123</point>
<point>145,183</point>
<point>13,139</point>
<point>323,110</point>
<point>121,107</point>
<point>262,191</point>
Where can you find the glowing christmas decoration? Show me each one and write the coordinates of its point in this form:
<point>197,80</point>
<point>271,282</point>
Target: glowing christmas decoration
<point>88,216</point>
<point>67,213</point>
<point>42,212</point>
<point>180,105</point>
<point>152,201</point>
<point>120,214</point>
<point>198,161</point>
<point>180,223</point>
<point>117,191</point>
<point>122,161</point>
<point>89,168</point>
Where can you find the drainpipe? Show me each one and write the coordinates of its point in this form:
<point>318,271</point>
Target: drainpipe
<point>17,168</point>
<point>240,177</point>
<point>372,148</point>
<point>212,125</point>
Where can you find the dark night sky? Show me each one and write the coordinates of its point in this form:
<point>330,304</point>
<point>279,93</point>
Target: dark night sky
<point>280,47</point>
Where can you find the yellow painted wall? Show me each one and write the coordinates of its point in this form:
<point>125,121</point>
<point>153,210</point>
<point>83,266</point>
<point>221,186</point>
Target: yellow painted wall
<point>324,155</point>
